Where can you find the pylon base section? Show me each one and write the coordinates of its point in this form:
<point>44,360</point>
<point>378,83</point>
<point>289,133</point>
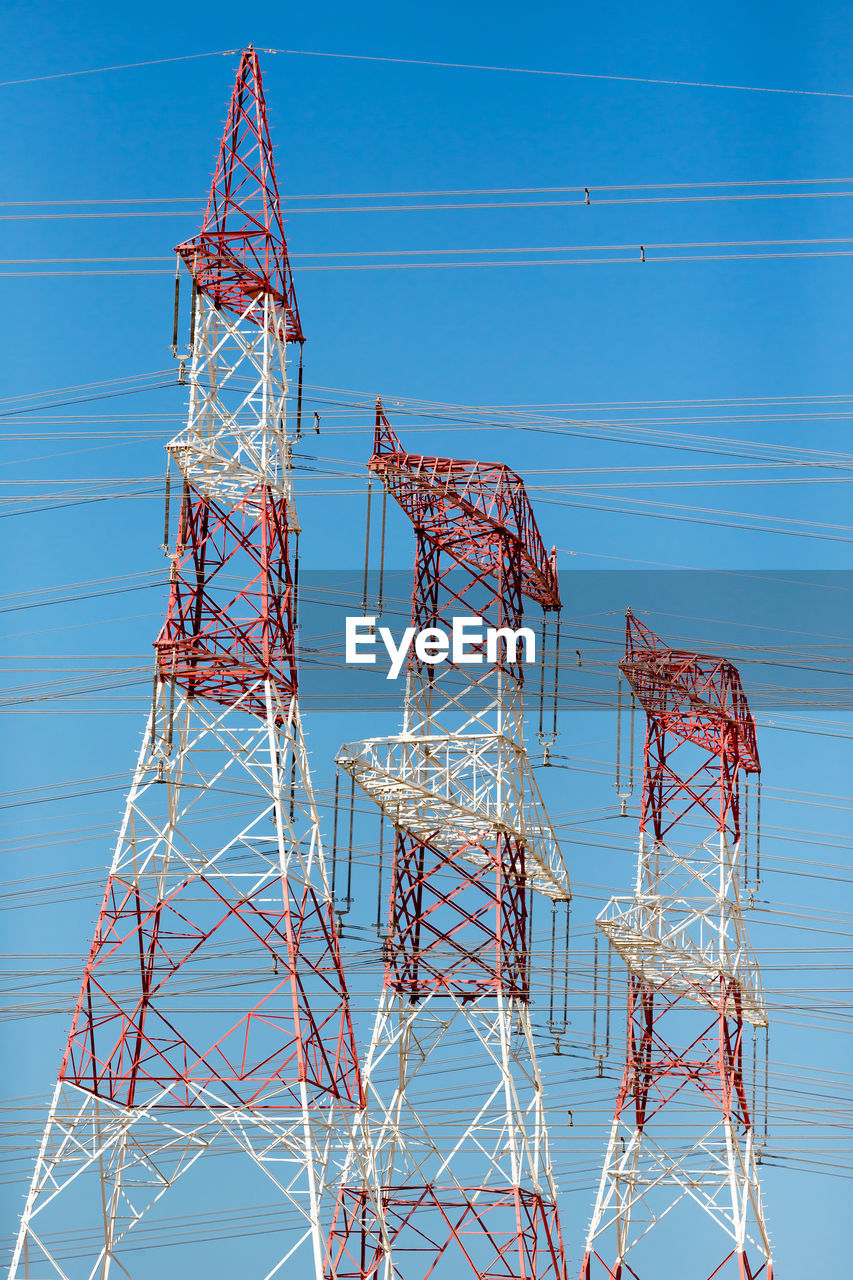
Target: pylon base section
<point>447,1233</point>
<point>734,1267</point>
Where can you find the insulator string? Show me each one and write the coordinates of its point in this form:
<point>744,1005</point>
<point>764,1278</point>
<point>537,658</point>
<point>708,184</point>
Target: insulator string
<point>766,1131</point>
<point>193,296</point>
<point>529,902</point>
<point>380,591</point>
<point>754,1116</point>
<point>566,966</point>
<point>757,855</point>
<point>618,782</point>
<point>348,896</point>
<point>177,305</point>
<point>594,1043</point>
<point>171,722</point>
<point>299,397</point>
<point>167,502</point>
<point>335,830</point>
<point>366,546</point>
<point>295,607</point>
<point>542,676</point>
<point>378,924</point>
<point>607,1000</point>
<point>154,692</point>
<point>556,1026</point>
<point>552,974</point>
<point>745,834</point>
<point>556,675</point>
<point>624,786</point>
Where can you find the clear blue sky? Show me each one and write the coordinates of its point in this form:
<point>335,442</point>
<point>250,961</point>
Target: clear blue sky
<point>571,335</point>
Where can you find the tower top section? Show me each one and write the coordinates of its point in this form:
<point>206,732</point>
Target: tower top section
<point>240,254</point>
<point>696,696</point>
<point>471,509</point>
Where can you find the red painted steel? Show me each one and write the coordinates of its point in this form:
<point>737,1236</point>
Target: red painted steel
<point>477,513</point>
<point>479,552</point>
<point>230,616</point>
<point>220,640</point>
<point>213,1015</point>
<point>457,928</point>
<point>241,251</point>
<point>478,1233</point>
<point>712,1063</point>
<point>700,736</point>
<point>134,1042</point>
<point>229,628</point>
<point>691,700</point>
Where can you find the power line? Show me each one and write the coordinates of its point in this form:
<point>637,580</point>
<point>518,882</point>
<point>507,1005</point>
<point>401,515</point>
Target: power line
<point>122,66</point>
<point>572,75</point>
<point>635,250</point>
<point>423,62</point>
<point>581,202</point>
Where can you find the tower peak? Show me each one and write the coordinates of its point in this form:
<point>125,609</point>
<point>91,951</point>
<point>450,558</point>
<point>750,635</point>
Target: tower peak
<point>241,251</point>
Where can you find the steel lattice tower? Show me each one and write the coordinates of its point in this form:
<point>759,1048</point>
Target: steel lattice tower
<point>694,985</point>
<point>213,1016</point>
<point>464,1187</point>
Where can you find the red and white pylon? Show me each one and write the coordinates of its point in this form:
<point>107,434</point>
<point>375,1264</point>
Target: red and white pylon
<point>461,1165</point>
<point>213,1016</point>
<point>683,1133</point>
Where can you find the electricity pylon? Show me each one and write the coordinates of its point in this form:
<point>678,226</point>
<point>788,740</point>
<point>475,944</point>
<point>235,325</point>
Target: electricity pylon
<point>213,1016</point>
<point>463,1174</point>
<point>683,1133</point>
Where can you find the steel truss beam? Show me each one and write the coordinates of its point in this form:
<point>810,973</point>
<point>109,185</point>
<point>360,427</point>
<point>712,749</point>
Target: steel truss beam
<point>241,252</point>
<point>213,1016</point>
<point>465,1192</point>
<point>682,1132</point>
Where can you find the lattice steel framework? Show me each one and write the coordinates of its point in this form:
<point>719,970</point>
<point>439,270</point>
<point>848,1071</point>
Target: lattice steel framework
<point>464,1187</point>
<point>213,1016</point>
<point>683,1131</point>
